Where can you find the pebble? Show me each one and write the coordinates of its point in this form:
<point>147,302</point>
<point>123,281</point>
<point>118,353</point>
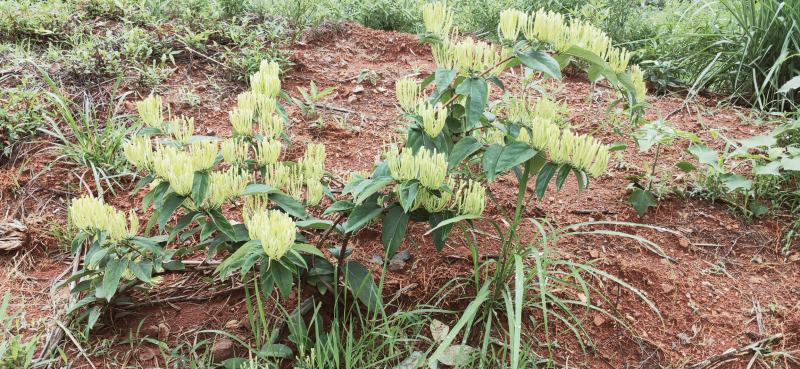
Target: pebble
<point>222,349</point>
<point>377,260</point>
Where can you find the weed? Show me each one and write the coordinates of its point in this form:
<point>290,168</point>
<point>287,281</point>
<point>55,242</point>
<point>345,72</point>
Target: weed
<point>21,113</point>
<point>15,350</point>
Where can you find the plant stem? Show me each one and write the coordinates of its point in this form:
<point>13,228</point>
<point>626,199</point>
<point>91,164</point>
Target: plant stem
<point>500,272</point>
<point>653,169</point>
<point>342,252</point>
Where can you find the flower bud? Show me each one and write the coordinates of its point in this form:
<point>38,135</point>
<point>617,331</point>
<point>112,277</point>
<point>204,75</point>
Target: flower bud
<point>242,121</point>
<point>204,155</point>
<point>181,129</point>
<point>407,92</point>
<point>313,162</point>
<point>274,229</point>
<point>235,151</point>
<point>618,59</point>
<point>433,118</point>
<point>470,198</point>
<point>224,186</point>
<point>437,18</point>
<point>138,151</point>
<point>314,192</point>
<point>268,151</point>
<point>175,167</point>
<point>270,125</point>
<point>639,88</point>
<point>402,166</point>
<point>151,111</point>
<point>511,22</point>
<point>432,168</point>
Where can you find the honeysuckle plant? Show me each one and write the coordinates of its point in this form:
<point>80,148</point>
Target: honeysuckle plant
<point>234,198</point>
<point>459,139</point>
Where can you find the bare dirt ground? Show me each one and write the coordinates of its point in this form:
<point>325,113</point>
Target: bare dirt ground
<point>729,287</point>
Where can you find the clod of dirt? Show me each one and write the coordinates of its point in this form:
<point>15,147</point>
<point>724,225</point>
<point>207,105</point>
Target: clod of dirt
<point>398,261</point>
<point>377,260</point>
<point>150,330</point>
<point>599,320</point>
<point>222,349</point>
<point>163,332</point>
<point>145,355</point>
<point>233,325</point>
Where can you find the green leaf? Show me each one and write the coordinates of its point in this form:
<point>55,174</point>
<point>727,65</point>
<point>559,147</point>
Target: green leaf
<point>477,92</point>
<point>450,221</point>
<point>463,149</point>
<point>360,283</point>
<point>308,249</point>
<point>374,185</point>
<point>289,205</point>
<point>314,223</point>
<point>617,146</point>
<point>563,172</point>
<point>770,169</point>
<point>341,205</point>
<point>586,55</point>
<point>276,350</point>
<point>792,84</point>
<point>222,224</point>
<point>498,159</point>
<point>111,277</point>
<point>144,181</point>
<point>283,278</point>
<point>685,166</point>
<point>182,223</point>
<point>258,189</point>
<point>440,235</point>
<point>395,225</point>
<point>443,78</point>
<point>642,200</point>
<point>540,61</point>
<point>705,155</point>
<point>543,179</point>
<point>199,187</point>
<point>172,203</point>
<point>142,270</point>
<point>361,215</point>
<point>408,193</point>
<point>792,164</point>
<point>733,182</point>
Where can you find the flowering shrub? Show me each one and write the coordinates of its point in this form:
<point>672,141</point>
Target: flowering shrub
<point>198,180</point>
<point>457,141</point>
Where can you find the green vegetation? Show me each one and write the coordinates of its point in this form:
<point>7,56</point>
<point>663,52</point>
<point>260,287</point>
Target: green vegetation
<point>263,214</point>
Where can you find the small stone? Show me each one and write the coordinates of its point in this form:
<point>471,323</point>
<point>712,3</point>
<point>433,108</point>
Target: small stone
<point>163,332</point>
<point>402,256</point>
<point>358,89</point>
<point>232,325</point>
<point>149,330</point>
<point>598,320</point>
<point>396,265</point>
<point>594,254</point>
<point>756,279</point>
<point>222,349</point>
<point>146,355</point>
<point>683,242</point>
<point>351,98</point>
<point>377,260</point>
<point>667,288</point>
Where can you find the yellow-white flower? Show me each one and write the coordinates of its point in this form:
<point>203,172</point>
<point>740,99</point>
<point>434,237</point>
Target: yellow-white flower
<point>639,88</point>
<point>313,161</point>
<point>547,110</point>
<point>432,202</point>
<point>204,155</point>
<point>432,168</point>
<point>560,150</point>
<point>254,204</point>
<point>274,229</point>
<point>175,167</point>
<point>544,134</point>
<point>151,111</point>
<point>407,92</point>
<point>270,68</point>
<point>181,129</point>
<point>433,118</point>
<point>437,18</point>
<point>470,198</point>
<point>266,82</point>
<point>235,151</point>
<point>402,166</point>
<point>589,37</point>
<point>618,59</point>
<point>490,136</point>
<point>270,125</point>
<point>224,186</point>
<point>549,27</point>
<point>268,151</point>
<point>314,192</point>
<point>277,175</point>
<point>91,214</point>
<point>138,151</point>
<point>295,182</point>
<point>242,121</point>
<point>511,23</point>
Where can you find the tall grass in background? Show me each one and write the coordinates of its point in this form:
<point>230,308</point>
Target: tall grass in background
<point>744,49</point>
